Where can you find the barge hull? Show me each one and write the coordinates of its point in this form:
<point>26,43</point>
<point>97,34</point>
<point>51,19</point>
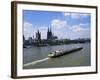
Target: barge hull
<point>66,52</point>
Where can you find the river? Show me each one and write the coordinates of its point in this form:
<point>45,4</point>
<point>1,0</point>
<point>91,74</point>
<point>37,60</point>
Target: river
<point>36,57</point>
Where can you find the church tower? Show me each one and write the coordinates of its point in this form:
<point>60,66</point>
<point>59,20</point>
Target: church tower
<point>38,35</point>
<point>49,34</point>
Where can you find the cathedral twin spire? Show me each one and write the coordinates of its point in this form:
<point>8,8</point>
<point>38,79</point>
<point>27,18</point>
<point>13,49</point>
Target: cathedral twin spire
<point>49,34</point>
<point>38,35</point>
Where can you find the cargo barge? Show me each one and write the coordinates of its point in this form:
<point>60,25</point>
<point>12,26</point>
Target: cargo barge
<point>63,52</point>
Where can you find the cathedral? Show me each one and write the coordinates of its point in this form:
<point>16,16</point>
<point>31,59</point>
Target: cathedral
<point>49,34</point>
<point>38,35</point>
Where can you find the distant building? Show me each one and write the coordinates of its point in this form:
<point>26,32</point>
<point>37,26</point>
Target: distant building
<point>55,38</point>
<point>49,34</point>
<point>30,40</point>
<point>23,38</point>
<point>38,35</point>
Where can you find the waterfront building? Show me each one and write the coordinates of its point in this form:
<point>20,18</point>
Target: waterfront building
<point>30,40</point>
<point>49,34</point>
<point>38,35</point>
<point>23,38</point>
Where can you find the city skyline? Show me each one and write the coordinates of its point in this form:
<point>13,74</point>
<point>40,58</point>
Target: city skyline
<point>63,24</point>
<point>37,36</point>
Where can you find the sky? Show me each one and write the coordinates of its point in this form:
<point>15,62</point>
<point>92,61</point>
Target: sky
<point>64,25</point>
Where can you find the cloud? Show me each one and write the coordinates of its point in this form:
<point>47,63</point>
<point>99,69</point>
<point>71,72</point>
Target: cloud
<point>72,15</point>
<point>76,15</point>
<point>84,15</point>
<point>59,28</point>
<point>66,14</point>
<point>84,24</point>
<point>76,31</point>
<point>79,15</point>
<point>30,30</point>
<point>77,28</point>
<point>58,24</point>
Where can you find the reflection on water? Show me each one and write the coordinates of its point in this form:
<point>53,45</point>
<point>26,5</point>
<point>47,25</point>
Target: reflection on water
<point>36,57</point>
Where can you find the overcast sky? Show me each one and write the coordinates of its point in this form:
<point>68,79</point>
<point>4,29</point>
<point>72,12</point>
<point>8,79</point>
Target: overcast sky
<point>63,24</point>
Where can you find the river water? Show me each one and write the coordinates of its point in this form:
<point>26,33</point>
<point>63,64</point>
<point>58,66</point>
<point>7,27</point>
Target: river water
<point>36,57</point>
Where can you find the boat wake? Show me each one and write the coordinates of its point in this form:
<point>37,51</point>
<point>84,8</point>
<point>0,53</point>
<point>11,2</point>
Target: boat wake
<point>35,62</point>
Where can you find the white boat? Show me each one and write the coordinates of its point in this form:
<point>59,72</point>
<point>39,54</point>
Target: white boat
<point>63,52</point>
